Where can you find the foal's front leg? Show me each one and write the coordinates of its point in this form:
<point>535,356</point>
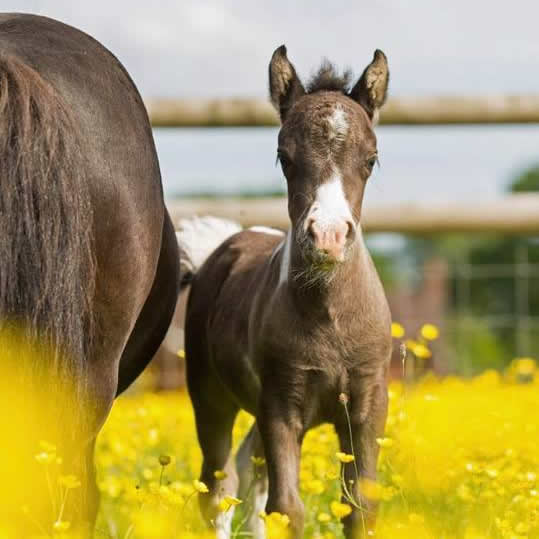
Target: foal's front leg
<point>367,406</point>
<point>281,429</point>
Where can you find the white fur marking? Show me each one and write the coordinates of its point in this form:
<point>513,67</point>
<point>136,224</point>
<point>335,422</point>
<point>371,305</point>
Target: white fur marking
<point>285,258</point>
<point>199,237</point>
<point>330,205</point>
<point>338,123</point>
<point>223,524</point>
<point>267,230</point>
<point>256,524</point>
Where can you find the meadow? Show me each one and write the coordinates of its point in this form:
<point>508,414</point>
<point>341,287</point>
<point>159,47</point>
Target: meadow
<point>459,459</point>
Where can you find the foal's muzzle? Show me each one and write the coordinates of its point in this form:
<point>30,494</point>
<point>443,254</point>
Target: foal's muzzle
<point>331,239</point>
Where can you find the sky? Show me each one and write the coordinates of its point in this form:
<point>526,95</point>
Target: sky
<point>201,48</point>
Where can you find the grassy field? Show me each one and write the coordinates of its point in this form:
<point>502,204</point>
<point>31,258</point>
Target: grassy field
<point>460,459</point>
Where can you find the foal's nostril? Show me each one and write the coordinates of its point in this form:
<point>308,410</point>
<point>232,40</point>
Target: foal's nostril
<point>310,228</point>
<point>351,232</point>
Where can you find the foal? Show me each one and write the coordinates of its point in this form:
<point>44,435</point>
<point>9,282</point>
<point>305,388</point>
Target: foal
<point>287,326</point>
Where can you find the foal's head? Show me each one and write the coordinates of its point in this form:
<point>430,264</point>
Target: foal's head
<point>327,149</point>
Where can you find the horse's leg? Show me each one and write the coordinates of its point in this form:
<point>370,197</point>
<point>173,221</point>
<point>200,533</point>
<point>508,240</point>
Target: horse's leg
<point>154,319</point>
<point>215,417</point>
<point>253,489</point>
<point>281,429</point>
<point>367,411</point>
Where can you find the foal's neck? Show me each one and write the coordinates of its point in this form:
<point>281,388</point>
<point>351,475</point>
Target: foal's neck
<point>337,294</point>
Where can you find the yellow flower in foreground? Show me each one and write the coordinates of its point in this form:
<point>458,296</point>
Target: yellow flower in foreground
<point>45,458</point>
<point>47,446</point>
<point>370,489</point>
<point>227,502</point>
<point>220,475</point>
<point>524,365</point>
<point>61,525</point>
<point>276,525</point>
<point>323,518</point>
<point>385,442</point>
<point>181,353</point>
<point>199,486</point>
<point>421,351</point>
<point>340,510</point>
<point>275,518</point>
<point>314,486</point>
<point>415,518</point>
<point>430,332</point>
<point>164,460</point>
<point>397,331</point>
<point>345,457</point>
<point>69,481</point>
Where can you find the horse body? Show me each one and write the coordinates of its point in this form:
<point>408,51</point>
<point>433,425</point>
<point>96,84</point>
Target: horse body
<point>289,327</point>
<point>75,95</point>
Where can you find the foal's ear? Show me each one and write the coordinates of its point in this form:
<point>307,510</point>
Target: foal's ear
<point>370,90</point>
<point>284,84</point>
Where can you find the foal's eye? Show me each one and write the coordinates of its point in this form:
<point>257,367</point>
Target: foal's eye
<point>284,160</point>
<point>372,161</point>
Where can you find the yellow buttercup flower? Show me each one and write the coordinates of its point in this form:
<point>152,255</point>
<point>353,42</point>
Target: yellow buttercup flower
<point>323,518</point>
<point>371,489</point>
<point>69,481</point>
<point>385,442</point>
<point>421,351</point>
<point>345,457</point>
<point>227,502</point>
<point>340,510</point>
<point>258,461</point>
<point>45,458</point>
<point>200,486</point>
<point>430,332</point>
<point>61,525</point>
<point>397,331</point>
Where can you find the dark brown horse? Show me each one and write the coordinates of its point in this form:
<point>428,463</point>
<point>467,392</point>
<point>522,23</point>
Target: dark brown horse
<point>288,327</point>
<point>88,255</point>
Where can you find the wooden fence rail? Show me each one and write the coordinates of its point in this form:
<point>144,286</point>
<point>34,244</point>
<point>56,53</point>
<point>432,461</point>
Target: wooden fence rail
<point>398,111</point>
<point>511,215</point>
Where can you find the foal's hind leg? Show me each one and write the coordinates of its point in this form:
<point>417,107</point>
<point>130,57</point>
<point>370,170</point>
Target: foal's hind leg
<point>215,420</point>
<point>253,479</point>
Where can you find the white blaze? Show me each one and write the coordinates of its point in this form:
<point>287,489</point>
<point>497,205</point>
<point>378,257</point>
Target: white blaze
<point>330,205</point>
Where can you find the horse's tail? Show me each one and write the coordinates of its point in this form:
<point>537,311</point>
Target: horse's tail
<point>47,266</point>
<point>198,238</point>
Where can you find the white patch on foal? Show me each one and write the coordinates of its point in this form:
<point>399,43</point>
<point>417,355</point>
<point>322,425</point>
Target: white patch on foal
<point>330,205</point>
<point>223,524</point>
<point>285,258</point>
<point>267,230</point>
<point>338,123</point>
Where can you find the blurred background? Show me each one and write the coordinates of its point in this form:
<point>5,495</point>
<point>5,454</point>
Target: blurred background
<point>480,283</point>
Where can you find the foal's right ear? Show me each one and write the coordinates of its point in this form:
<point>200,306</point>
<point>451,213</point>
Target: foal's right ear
<point>284,84</point>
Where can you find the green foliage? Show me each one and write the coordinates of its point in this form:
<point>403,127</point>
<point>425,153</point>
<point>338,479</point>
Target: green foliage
<point>528,181</point>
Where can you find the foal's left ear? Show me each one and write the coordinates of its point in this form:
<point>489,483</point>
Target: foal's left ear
<point>370,90</point>
<point>284,84</point>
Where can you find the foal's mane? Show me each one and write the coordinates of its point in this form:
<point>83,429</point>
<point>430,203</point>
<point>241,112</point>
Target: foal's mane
<point>328,78</point>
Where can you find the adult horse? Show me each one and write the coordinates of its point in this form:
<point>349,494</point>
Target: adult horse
<point>295,327</point>
<point>87,249</point>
